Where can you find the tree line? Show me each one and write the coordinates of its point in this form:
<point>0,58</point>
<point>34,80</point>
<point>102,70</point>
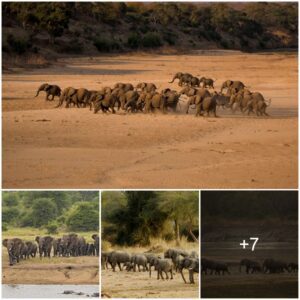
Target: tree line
<point>135,217</point>
<point>53,210</point>
<point>129,26</point>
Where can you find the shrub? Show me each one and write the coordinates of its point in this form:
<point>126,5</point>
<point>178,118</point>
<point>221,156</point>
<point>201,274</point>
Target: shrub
<point>151,40</point>
<point>10,199</point>
<point>83,217</point>
<point>105,45</point>
<point>9,215</point>
<point>4,227</point>
<point>18,46</point>
<point>43,211</point>
<point>134,40</point>
<point>52,228</point>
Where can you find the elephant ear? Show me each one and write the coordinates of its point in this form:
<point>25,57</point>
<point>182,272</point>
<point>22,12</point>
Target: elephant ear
<point>94,236</point>
<point>37,239</point>
<point>4,242</point>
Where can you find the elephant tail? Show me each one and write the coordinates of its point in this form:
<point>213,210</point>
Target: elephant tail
<point>269,102</point>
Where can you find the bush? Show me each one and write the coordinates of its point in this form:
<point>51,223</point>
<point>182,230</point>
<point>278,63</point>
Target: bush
<point>105,45</point>
<point>26,220</point>
<point>10,199</point>
<point>151,40</point>
<point>74,47</point>
<point>83,217</point>
<point>4,227</point>
<point>9,215</point>
<point>18,46</point>
<point>52,228</point>
<point>43,211</point>
<point>134,40</point>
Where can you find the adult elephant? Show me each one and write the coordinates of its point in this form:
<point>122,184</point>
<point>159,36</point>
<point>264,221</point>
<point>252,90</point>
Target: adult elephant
<point>124,86</point>
<point>274,266</point>
<point>50,89</point>
<point>128,99</point>
<point>80,98</point>
<point>105,103</point>
<point>184,78</point>
<point>197,99</point>
<point>208,105</point>
<point>56,245</point>
<point>251,266</point>
<point>31,249</point>
<point>14,249</point>
<point>44,245</point>
<point>157,101</point>
<point>117,258</point>
<point>192,265</point>
<point>95,237</point>
<point>66,96</point>
<point>194,81</point>
<point>232,85</point>
<point>172,99</point>
<point>146,87</point>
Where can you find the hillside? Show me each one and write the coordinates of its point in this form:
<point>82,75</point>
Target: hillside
<point>36,33</point>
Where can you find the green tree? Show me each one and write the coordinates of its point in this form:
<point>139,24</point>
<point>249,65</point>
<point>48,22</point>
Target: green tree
<point>83,217</point>
<point>10,198</point>
<point>43,211</point>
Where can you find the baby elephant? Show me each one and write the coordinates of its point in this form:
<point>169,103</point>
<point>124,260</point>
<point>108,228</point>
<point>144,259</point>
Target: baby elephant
<point>164,265</point>
<point>53,90</point>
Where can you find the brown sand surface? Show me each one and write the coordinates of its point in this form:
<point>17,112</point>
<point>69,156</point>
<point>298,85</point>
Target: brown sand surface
<point>123,284</point>
<point>82,270</point>
<point>45,147</point>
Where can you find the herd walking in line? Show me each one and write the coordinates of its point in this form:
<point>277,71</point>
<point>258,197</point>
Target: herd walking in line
<point>269,266</point>
<point>145,97</point>
<point>173,260</point>
<point>69,245</point>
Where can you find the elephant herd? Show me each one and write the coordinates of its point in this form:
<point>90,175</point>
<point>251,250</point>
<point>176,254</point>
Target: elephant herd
<point>269,266</point>
<point>68,245</point>
<point>145,97</point>
<point>173,260</point>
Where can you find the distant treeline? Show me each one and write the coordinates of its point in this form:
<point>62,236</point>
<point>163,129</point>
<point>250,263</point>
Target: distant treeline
<point>134,217</point>
<point>235,206</point>
<point>84,27</point>
<point>53,210</point>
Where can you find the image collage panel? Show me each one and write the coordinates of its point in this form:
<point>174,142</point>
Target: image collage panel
<point>149,149</point>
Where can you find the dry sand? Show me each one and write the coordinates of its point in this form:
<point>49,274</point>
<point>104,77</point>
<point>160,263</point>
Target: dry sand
<point>139,285</point>
<point>44,147</point>
<point>83,270</point>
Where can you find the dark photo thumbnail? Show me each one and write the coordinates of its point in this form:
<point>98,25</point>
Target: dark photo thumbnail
<point>249,246</point>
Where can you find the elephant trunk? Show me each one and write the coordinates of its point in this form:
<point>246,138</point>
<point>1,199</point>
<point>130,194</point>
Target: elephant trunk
<point>37,93</point>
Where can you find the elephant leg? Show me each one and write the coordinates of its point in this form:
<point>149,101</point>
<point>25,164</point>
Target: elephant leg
<point>181,272</point>
<point>119,265</point>
<point>188,106</point>
<point>47,96</point>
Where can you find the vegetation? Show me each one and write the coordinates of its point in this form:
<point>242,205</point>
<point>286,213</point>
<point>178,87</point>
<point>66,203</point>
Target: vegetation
<point>53,211</point>
<point>135,217</point>
<point>65,27</point>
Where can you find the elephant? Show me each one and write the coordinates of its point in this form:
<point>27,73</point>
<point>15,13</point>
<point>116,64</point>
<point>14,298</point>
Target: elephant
<point>108,102</point>
<point>220,268</point>
<point>90,249</point>
<point>139,260</point>
<point>257,105</point>
<point>251,266</point>
<point>222,100</point>
<point>154,101</point>
<point>104,259</point>
<point>31,249</point>
<point>208,105</point>
<point>146,87</point>
<point>174,253</point>
<point>14,248</point>
<point>190,263</point>
<point>293,267</point>
<point>128,100</point>
<point>117,258</point>
<point>163,265</point>
<point>95,237</point>
<point>172,99</point>
<point>80,98</point>
<point>207,82</point>
<point>66,96</point>
<point>197,98</point>
<point>207,264</point>
<point>50,89</point>
<point>56,243</point>
<point>274,266</point>
<point>45,245</point>
<point>24,252</point>
<point>194,81</point>
<point>232,85</point>
<point>184,78</point>
<point>188,91</point>
<point>124,86</point>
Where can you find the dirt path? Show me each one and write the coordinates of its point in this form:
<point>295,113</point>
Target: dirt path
<point>45,147</point>
<point>140,285</point>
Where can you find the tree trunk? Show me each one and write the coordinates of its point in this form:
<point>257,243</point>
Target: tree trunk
<point>177,233</point>
<point>192,235</point>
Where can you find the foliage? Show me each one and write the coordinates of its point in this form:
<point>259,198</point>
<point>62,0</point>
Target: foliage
<point>136,217</point>
<point>52,228</point>
<point>51,209</point>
